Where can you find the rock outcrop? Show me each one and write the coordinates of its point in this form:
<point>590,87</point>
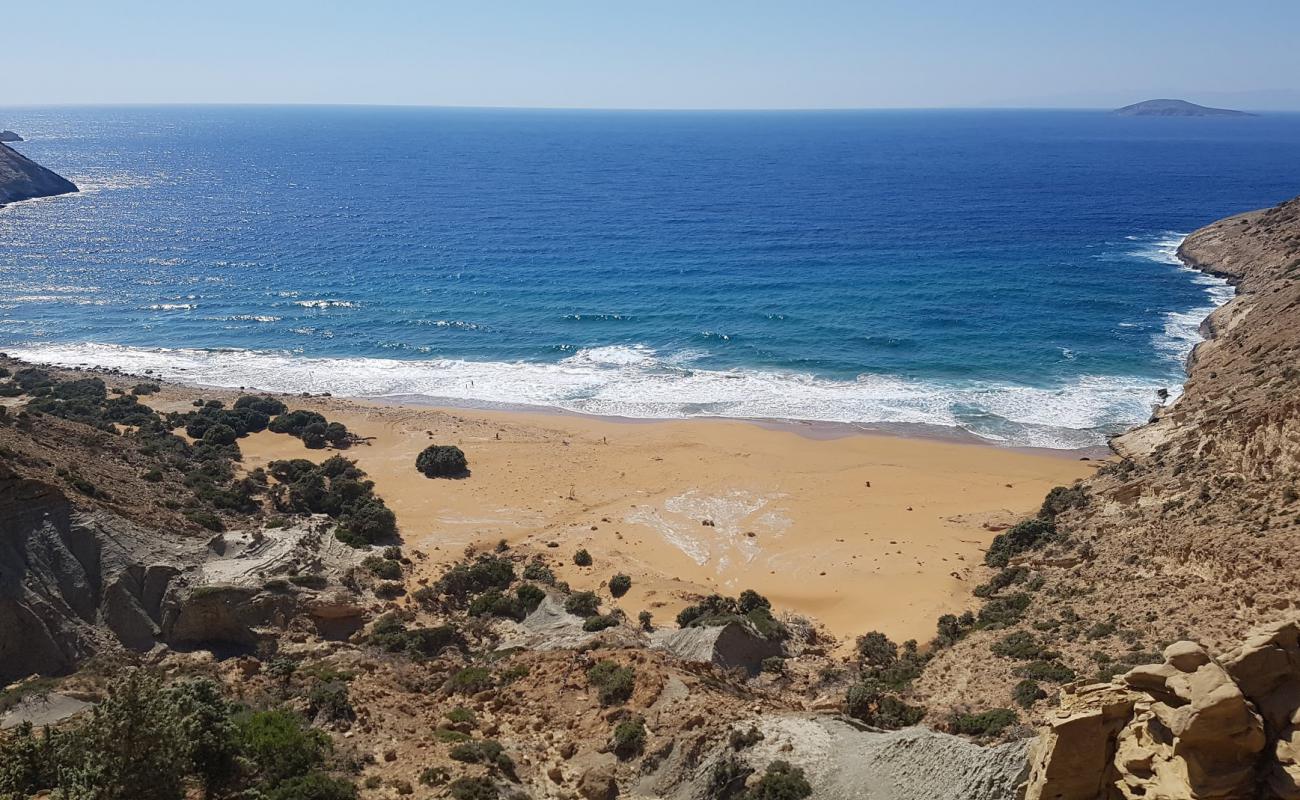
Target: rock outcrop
<point>731,646</point>
<point>1193,728</point>
<point>23,179</point>
<point>9,136</point>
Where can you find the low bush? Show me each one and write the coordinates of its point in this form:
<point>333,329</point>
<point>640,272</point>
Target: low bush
<point>383,568</point>
<point>619,585</point>
<point>1027,692</point>
<point>480,788</point>
<point>629,738</point>
<point>613,684</point>
<point>780,781</point>
<point>470,680</point>
<point>495,604</point>
<point>487,752</point>
<point>986,723</point>
<point>582,558</point>
<point>599,622</point>
<point>441,461</point>
<point>1026,535</point>
<point>1050,671</point>
<point>582,604</point>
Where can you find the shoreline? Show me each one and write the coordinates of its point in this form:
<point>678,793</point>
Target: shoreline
<point>857,530</point>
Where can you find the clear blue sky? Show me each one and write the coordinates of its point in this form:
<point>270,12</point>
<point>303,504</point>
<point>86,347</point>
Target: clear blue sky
<point>653,53</point>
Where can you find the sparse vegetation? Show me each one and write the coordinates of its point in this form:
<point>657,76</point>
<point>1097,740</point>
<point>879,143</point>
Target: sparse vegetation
<point>613,683</point>
<point>619,585</point>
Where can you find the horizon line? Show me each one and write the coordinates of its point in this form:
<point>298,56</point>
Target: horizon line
<point>661,109</point>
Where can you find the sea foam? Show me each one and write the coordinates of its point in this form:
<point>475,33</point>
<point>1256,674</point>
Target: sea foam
<point>636,382</point>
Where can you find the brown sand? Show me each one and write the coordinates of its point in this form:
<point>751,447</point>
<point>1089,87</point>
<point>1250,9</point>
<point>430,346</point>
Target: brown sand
<point>860,532</point>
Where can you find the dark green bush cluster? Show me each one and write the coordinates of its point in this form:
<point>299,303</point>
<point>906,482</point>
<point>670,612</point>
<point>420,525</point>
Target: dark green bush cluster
<point>629,737</point>
<point>751,607</point>
<point>471,680</point>
<point>487,752</point>
<point>1026,535</point>
<point>384,568</point>
<point>338,489</point>
<point>536,570</point>
<point>148,741</point>
<point>985,723</point>
<point>213,421</point>
<point>1062,499</point>
<point>389,633</point>
<point>497,604</point>
<point>885,672</point>
<point>582,604</point>
<point>441,461</point>
<point>780,781</point>
<point>486,573</point>
<point>582,558</point>
<point>476,788</point>
<point>1022,646</point>
<point>1009,576</point>
<point>619,585</point>
<point>613,684</point>
<point>1027,692</point>
<point>314,430</point>
<point>600,622</point>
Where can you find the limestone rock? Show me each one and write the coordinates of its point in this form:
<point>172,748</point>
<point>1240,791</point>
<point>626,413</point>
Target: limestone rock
<point>1192,728</point>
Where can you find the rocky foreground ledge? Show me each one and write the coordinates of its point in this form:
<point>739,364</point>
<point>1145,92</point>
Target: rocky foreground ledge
<point>24,179</point>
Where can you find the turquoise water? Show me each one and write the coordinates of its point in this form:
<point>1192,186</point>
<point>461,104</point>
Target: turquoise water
<point>1010,273</point>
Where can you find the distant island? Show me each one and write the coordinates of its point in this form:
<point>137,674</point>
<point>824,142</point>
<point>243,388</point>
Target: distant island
<point>9,136</point>
<point>23,179</point>
<point>1175,108</point>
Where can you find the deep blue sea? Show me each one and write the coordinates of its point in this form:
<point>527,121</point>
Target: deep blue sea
<point>1010,273</point>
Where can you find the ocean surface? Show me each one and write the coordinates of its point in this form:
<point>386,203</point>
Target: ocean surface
<point>1009,273</point>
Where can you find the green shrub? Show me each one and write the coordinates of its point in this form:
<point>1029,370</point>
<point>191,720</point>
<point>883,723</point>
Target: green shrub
<point>869,701</point>
<point>876,650</point>
<point>1004,578</point>
<point>619,585</point>
<point>646,619</point>
<point>987,723</point>
<point>264,404</point>
<point>1050,671</point>
<point>487,752</point>
<point>143,389</point>
<point>629,738</point>
<point>1027,692</point>
<point>206,519</point>
<point>1020,645</point>
<point>484,574</point>
<point>280,744</point>
<point>495,604</point>
<point>441,461</point>
<point>383,568</point>
<point>780,781</point>
<point>470,680</point>
<point>1061,499</point>
<point>313,786</point>
<point>434,776</point>
<point>1000,612</point>
<point>582,558</point>
<point>1022,536</point>
<point>530,596</point>
<point>599,622</point>
<point>461,716</point>
<point>295,422</point>
<point>536,570</point>
<point>582,604</point>
<point>613,684</point>
<point>473,789</point>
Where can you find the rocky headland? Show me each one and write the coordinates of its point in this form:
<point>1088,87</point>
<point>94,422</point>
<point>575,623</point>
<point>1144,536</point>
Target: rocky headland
<point>24,179</point>
<point>7,136</point>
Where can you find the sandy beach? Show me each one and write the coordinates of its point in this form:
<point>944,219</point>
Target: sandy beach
<point>861,532</point>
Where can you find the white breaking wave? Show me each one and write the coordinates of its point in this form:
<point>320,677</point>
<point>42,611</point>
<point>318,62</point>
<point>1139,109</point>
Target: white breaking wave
<point>325,303</point>
<point>1182,329</point>
<point>636,382</point>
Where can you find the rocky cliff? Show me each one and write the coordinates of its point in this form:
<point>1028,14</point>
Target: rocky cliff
<point>23,179</point>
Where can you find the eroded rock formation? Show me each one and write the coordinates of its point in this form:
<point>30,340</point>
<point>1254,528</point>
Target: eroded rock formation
<point>23,179</point>
<point>1193,727</point>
